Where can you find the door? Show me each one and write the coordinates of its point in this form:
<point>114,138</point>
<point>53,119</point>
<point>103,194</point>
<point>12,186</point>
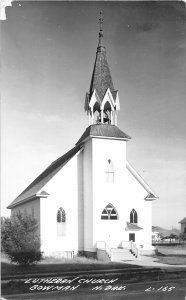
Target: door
<point>132,237</point>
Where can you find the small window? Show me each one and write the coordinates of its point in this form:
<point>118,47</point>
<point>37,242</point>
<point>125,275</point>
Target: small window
<point>61,222</point>
<point>133,217</point>
<point>109,213</point>
<point>110,171</point>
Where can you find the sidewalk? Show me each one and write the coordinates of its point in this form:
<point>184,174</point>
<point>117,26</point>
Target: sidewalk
<point>147,261</point>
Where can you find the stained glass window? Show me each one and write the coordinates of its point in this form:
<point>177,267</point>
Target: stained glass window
<point>109,213</point>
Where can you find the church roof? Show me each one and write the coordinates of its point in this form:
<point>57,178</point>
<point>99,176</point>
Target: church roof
<point>101,76</point>
<point>103,130</point>
<point>183,221</point>
<point>151,195</point>
<point>131,226</point>
<point>33,189</point>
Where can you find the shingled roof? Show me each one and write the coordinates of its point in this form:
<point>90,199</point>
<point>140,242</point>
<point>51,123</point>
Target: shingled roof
<point>32,190</point>
<point>101,76</point>
<point>103,130</point>
<point>183,221</point>
<point>131,226</point>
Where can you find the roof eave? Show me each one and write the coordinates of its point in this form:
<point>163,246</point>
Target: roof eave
<point>33,197</point>
<point>135,228</point>
<point>182,221</point>
<point>142,182</point>
<point>110,137</point>
<point>151,198</point>
<point>102,137</point>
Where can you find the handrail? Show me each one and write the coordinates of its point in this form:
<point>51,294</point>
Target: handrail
<point>134,249</point>
<point>103,246</point>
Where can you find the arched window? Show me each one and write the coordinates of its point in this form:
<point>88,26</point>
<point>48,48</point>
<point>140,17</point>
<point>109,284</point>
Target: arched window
<point>61,222</point>
<point>107,113</point>
<point>133,217</point>
<point>109,213</point>
<point>110,171</point>
<point>96,112</point>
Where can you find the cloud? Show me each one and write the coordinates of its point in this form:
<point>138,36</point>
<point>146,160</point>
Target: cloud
<point>147,26</point>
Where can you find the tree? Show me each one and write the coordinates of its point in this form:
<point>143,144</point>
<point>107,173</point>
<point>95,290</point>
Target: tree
<point>20,240</point>
<point>181,236</point>
<point>173,236</point>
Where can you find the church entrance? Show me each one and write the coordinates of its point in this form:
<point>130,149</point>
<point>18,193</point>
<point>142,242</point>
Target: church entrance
<point>132,237</point>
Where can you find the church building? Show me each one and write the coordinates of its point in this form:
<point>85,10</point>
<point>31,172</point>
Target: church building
<point>91,200</point>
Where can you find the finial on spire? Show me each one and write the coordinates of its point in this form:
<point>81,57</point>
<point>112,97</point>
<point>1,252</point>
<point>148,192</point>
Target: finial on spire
<point>101,20</point>
<point>100,29</point>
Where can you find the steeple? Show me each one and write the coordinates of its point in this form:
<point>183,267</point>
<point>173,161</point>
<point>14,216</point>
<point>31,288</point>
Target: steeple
<point>102,102</point>
<point>100,29</point>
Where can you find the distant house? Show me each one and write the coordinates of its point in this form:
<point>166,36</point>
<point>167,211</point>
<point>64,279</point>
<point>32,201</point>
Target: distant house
<point>183,226</point>
<point>156,237</point>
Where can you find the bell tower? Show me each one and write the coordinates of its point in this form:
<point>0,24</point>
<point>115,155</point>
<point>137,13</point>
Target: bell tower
<point>102,101</point>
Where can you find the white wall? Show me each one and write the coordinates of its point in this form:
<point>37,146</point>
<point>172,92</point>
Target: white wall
<point>105,193</point>
<point>125,194</point>
<point>80,164</point>
<point>88,196</point>
<point>144,209</point>
<point>63,192</point>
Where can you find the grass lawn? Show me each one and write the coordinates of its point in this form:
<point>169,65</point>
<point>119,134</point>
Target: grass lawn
<point>175,255</point>
<point>172,260</point>
<point>57,265</point>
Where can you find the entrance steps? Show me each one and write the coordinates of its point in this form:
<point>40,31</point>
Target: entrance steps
<point>127,251</point>
<point>118,254</point>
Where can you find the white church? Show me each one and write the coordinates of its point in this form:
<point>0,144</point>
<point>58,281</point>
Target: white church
<point>91,201</point>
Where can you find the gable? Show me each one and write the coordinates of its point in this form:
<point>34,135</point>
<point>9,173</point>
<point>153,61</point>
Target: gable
<point>34,188</point>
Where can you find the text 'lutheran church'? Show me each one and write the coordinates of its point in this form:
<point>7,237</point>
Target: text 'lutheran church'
<point>91,200</point>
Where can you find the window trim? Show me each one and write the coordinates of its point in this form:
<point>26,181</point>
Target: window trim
<point>108,214</point>
<point>109,171</point>
<point>61,222</point>
<point>133,216</point>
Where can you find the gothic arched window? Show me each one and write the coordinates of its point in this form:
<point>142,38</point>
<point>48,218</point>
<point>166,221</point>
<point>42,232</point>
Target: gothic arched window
<point>107,113</point>
<point>133,217</point>
<point>61,222</point>
<point>110,171</point>
<point>109,213</point>
<point>96,113</point>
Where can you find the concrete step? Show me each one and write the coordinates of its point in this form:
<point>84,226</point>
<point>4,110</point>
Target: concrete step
<point>121,254</point>
<point>120,251</point>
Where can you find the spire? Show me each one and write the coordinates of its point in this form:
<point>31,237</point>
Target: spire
<point>100,29</point>
<point>101,76</point>
<point>102,98</point>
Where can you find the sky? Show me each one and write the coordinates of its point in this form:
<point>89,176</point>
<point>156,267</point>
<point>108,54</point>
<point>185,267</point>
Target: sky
<point>48,53</point>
